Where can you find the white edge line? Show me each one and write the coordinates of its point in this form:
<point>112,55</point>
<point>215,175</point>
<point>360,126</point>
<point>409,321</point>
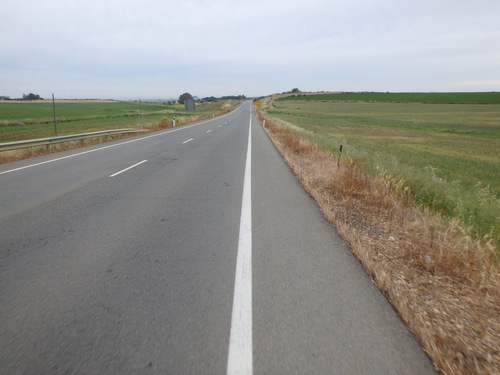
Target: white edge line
<point>126,169</point>
<point>110,146</point>
<point>240,341</point>
<point>189,140</point>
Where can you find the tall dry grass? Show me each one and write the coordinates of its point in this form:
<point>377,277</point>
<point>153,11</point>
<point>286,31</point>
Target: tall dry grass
<point>443,284</point>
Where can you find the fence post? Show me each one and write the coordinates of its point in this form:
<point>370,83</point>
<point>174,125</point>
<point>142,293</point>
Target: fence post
<point>340,153</point>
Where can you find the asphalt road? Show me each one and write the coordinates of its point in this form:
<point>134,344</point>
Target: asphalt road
<point>122,258</point>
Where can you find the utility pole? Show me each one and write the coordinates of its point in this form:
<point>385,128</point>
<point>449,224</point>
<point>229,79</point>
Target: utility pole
<point>54,111</point>
<point>141,119</point>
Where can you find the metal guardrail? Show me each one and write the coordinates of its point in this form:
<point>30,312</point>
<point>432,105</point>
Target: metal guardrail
<point>66,138</point>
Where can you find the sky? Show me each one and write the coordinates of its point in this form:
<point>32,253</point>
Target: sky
<point>152,49</point>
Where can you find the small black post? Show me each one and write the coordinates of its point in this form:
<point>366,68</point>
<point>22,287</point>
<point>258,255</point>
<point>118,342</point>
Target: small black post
<point>54,111</point>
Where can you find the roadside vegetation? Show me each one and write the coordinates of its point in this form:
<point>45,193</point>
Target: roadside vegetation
<point>446,155</point>
<point>20,120</point>
<point>414,194</point>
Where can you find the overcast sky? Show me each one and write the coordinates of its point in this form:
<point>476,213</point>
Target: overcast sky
<point>160,48</point>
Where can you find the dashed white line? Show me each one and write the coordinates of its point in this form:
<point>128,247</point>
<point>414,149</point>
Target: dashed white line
<point>189,140</point>
<point>240,342</point>
<point>208,131</point>
<point>126,169</point>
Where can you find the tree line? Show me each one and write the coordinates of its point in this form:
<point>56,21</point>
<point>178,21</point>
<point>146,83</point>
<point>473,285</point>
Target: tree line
<point>230,97</point>
<point>187,96</point>
<point>29,96</point>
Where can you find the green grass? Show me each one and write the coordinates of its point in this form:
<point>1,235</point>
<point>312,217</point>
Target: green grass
<point>42,111</point>
<point>30,120</point>
<point>447,154</point>
<point>408,97</point>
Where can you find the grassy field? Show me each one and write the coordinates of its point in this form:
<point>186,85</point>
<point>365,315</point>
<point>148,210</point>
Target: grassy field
<point>409,97</point>
<point>401,164</point>
<point>448,155</point>
<point>30,120</point>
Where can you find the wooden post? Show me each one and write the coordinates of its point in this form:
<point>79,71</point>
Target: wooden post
<point>340,153</point>
<point>54,112</point>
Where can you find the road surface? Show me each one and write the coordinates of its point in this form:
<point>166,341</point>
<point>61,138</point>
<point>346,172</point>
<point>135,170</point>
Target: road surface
<point>188,251</point>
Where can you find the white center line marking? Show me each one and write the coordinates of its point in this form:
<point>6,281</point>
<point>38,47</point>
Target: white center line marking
<point>219,126</point>
<point>208,131</point>
<point>189,140</point>
<point>240,342</point>
<point>126,169</point>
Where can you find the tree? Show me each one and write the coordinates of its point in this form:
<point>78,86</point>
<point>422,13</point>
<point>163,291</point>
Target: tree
<point>209,99</point>
<point>295,90</point>
<point>31,96</point>
<point>185,96</point>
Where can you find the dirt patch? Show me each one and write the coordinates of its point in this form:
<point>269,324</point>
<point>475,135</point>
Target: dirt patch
<point>443,284</point>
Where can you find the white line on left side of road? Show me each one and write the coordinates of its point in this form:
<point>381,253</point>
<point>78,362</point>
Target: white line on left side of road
<point>105,147</point>
<point>126,169</point>
<point>240,358</point>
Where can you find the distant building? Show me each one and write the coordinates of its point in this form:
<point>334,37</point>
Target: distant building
<point>189,105</point>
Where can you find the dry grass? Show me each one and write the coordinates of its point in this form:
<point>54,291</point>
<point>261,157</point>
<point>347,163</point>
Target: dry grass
<point>444,285</point>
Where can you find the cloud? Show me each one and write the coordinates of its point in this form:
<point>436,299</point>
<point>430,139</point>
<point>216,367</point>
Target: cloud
<point>218,45</point>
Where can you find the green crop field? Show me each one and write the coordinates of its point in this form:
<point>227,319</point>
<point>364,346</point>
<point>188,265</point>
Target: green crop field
<point>30,120</point>
<point>408,97</point>
<point>447,154</point>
